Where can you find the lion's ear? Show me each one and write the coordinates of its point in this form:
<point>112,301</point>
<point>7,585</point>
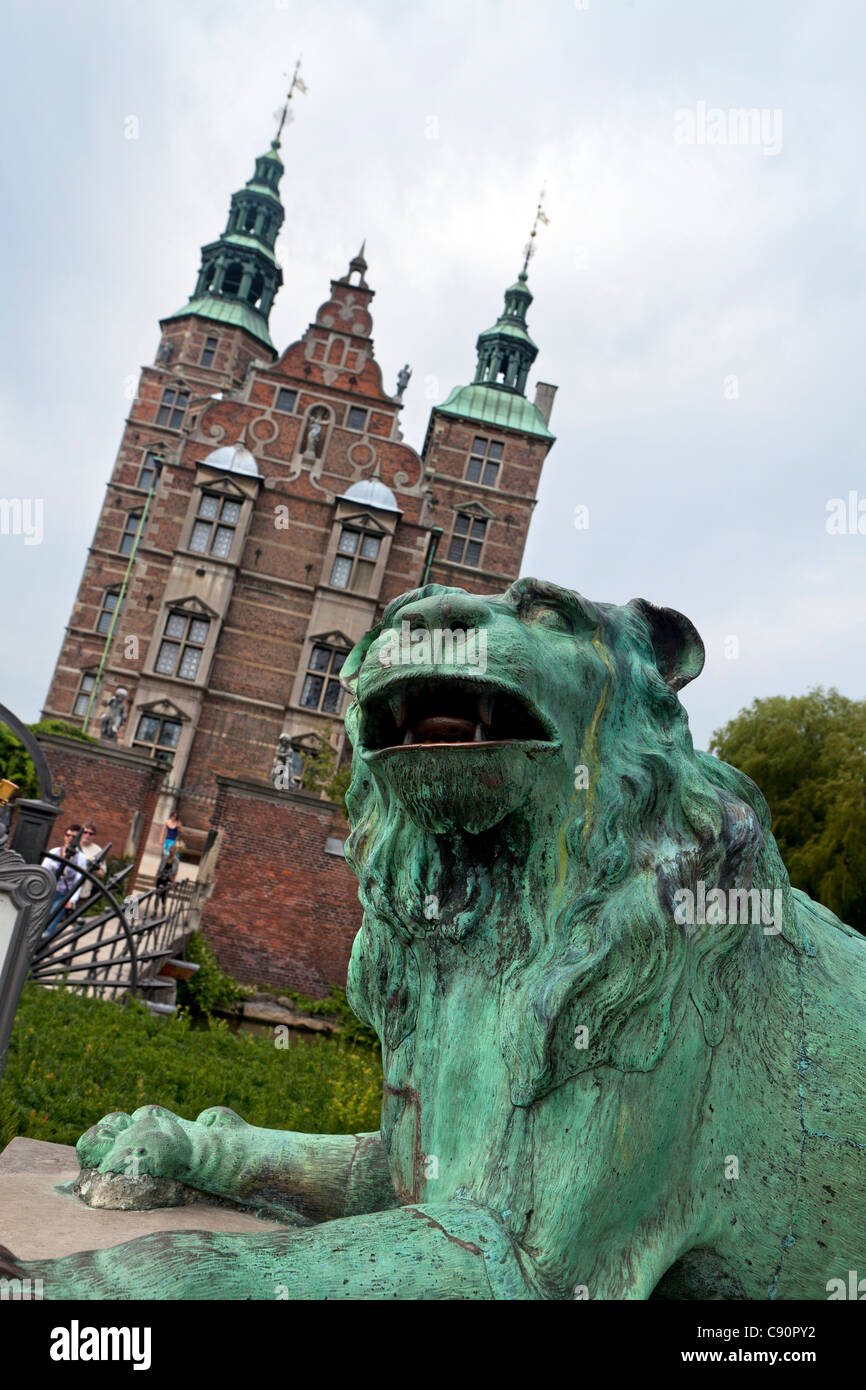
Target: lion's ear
<point>676,643</point>
<point>352,665</point>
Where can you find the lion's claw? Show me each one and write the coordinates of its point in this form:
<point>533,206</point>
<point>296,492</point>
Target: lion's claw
<point>221,1117</point>
<point>151,1141</point>
<point>99,1140</point>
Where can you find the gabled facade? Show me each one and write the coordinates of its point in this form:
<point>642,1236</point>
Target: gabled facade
<point>264,508</point>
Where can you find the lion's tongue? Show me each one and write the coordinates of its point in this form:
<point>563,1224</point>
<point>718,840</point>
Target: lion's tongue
<point>444,728</point>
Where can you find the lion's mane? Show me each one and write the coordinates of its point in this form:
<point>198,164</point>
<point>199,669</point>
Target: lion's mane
<point>599,947</point>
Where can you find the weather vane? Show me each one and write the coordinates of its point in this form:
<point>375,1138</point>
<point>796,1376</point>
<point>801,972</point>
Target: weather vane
<point>297,83</point>
<point>540,217</point>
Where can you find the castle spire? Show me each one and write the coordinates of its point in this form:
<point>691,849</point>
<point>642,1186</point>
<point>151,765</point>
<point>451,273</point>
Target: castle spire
<point>240,276</point>
<point>506,352</point>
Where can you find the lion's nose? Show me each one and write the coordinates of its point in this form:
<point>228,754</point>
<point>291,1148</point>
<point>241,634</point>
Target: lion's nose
<point>454,610</point>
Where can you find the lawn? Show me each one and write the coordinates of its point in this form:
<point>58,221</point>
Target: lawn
<point>72,1060</point>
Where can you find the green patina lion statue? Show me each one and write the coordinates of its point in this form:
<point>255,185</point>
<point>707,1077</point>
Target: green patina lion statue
<point>623,1057</point>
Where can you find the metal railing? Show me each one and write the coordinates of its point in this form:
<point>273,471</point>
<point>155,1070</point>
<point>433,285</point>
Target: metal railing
<point>105,948</point>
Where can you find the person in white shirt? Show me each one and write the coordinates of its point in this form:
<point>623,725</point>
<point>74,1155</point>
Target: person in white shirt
<point>69,859</point>
<point>91,850</point>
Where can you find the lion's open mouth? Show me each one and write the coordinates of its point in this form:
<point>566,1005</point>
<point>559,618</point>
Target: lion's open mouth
<point>425,712</point>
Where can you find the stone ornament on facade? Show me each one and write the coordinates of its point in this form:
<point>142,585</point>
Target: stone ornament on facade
<point>115,715</point>
<point>587,1092</point>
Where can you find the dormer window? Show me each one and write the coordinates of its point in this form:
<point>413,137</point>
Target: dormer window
<point>214,527</point>
<point>357,552</point>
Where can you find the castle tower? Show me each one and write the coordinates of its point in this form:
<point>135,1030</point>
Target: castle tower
<point>484,452</point>
<point>262,511</point>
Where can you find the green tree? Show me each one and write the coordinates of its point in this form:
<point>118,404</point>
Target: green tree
<point>807,753</point>
<point>15,762</point>
<point>322,773</point>
<point>16,765</point>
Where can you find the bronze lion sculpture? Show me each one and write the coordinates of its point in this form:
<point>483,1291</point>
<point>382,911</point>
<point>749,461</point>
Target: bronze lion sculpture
<point>623,1058</point>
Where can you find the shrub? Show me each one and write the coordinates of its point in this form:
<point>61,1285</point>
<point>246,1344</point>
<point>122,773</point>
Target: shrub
<point>72,1060</point>
<point>209,989</point>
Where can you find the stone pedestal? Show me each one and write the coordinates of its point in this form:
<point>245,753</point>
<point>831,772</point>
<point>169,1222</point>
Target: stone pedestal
<point>40,1218</point>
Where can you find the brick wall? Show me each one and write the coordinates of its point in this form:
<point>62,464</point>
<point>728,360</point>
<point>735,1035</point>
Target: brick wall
<point>114,787</point>
<point>282,910</point>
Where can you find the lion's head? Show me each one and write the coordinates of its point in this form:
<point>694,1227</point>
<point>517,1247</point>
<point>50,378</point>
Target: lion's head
<point>525,792</point>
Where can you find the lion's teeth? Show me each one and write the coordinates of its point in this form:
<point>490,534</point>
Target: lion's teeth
<point>397,706</point>
<point>479,735</point>
<point>485,709</point>
<point>409,735</point>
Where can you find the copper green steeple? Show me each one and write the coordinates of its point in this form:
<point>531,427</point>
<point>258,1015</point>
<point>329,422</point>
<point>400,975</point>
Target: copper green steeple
<point>505,354</point>
<point>239,275</point>
<point>506,351</point>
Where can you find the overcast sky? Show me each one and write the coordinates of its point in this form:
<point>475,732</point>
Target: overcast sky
<point>701,305</point>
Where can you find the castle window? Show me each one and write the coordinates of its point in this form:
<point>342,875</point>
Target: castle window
<point>180,651</point>
<point>85,690</point>
<point>357,418</point>
<point>214,527</point>
<point>148,471</point>
<point>322,689</point>
<point>286,400</point>
<point>155,733</point>
<point>357,552</point>
<point>109,605</point>
<point>207,357</point>
<point>172,408</point>
<point>483,465</point>
<point>467,540</point>
<point>130,531</point>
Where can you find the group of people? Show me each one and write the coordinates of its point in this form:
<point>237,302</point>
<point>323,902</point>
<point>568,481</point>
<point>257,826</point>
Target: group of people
<point>81,851</point>
<point>78,851</point>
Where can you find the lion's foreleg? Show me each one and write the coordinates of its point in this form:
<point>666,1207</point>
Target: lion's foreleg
<point>449,1250</point>
<point>318,1176</point>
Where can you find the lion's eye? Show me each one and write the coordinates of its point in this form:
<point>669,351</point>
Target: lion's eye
<point>549,617</point>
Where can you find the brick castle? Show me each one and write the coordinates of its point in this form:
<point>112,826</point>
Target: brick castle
<point>262,510</point>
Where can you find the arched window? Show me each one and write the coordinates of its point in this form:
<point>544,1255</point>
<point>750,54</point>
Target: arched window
<point>256,288</point>
<point>232,277</point>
